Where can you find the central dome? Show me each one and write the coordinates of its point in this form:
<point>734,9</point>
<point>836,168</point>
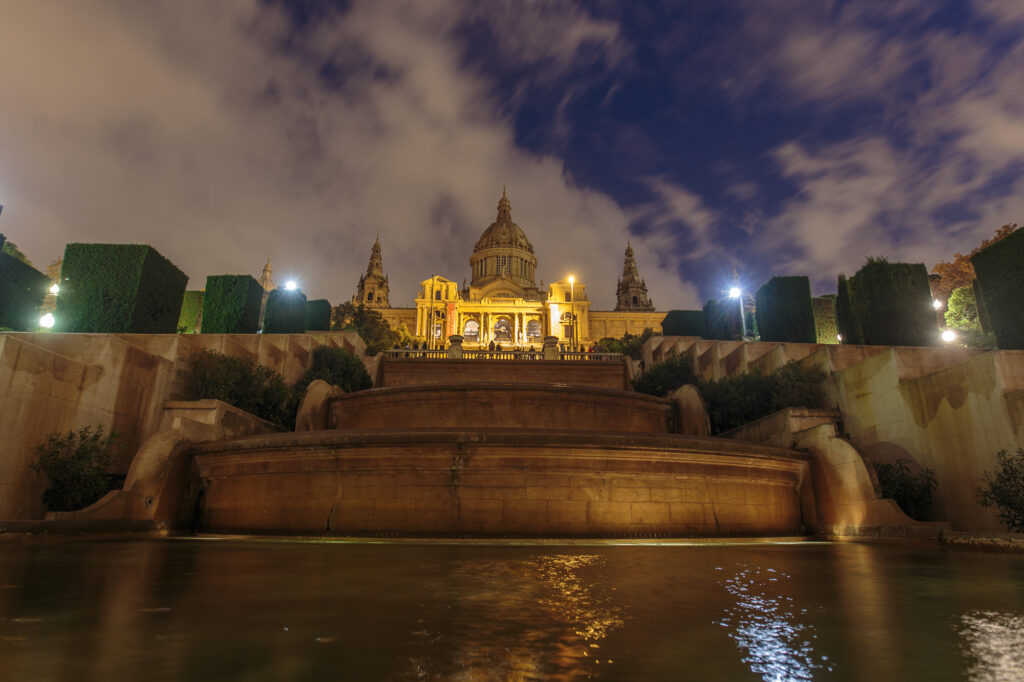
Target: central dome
<point>503,232</point>
<point>503,253</point>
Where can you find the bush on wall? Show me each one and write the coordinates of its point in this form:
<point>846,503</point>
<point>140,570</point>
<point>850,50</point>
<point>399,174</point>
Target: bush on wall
<point>825,328</point>
<point>231,305</point>
<point>911,491</point>
<point>683,323</point>
<point>75,465</point>
<point>722,320</point>
<point>119,288</point>
<point>1000,269</point>
<point>891,305</point>
<point>191,317</point>
<point>254,388</point>
<point>286,312</point>
<point>784,311</point>
<point>318,315</point>
<point>22,290</point>
<point>1004,489</point>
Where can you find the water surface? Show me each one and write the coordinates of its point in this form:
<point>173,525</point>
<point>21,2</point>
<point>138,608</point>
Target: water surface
<point>203,609</point>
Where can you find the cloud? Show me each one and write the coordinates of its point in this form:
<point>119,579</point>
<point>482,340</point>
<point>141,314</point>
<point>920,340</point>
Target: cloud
<point>211,133</point>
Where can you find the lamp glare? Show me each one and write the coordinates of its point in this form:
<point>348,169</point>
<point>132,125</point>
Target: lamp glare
<point>936,303</point>
<point>290,285</point>
<point>949,336</point>
<point>47,321</point>
<point>54,288</point>
<point>734,292</point>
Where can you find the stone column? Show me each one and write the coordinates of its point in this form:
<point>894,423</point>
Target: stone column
<point>455,346</point>
<point>515,328</point>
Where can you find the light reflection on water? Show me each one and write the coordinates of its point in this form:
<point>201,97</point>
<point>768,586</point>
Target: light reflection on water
<point>994,644</point>
<point>766,624</point>
<point>269,610</point>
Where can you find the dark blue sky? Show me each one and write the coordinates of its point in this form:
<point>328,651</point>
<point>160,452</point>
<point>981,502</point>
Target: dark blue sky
<point>790,137</point>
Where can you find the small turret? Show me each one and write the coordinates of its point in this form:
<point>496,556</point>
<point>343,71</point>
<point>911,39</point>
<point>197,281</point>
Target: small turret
<point>631,293</point>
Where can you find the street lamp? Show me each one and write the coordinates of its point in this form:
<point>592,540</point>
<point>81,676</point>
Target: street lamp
<point>290,285</point>
<point>736,292</point>
<point>949,336</point>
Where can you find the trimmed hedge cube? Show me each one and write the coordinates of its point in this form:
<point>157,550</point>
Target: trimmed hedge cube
<point>22,290</point>
<point>118,289</point>
<point>825,329</point>
<point>318,315</point>
<point>191,316</point>
<point>683,323</point>
<point>286,312</point>
<point>722,320</point>
<point>1000,270</point>
<point>784,311</point>
<point>231,305</point>
<point>891,304</point>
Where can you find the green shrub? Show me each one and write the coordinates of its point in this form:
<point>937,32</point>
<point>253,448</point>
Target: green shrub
<point>1000,270</point>
<point>784,311</point>
<point>666,376</point>
<point>683,323</point>
<point>119,288</point>
<point>911,491</point>
<point>75,465</point>
<point>318,315</point>
<point>825,329</point>
<point>722,320</point>
<point>191,317</point>
<point>1004,489</point>
<point>376,333</point>
<point>891,304</point>
<point>962,310</point>
<point>631,345</point>
<point>22,290</point>
<point>336,366</point>
<point>240,382</point>
<point>232,304</point>
<point>286,312</point>
<point>847,326</point>
<point>737,400</point>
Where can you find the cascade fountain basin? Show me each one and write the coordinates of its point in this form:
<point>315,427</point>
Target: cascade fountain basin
<point>500,482</point>
<point>495,405</point>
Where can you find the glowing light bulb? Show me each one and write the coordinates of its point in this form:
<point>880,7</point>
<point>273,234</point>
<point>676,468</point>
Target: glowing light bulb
<point>54,289</point>
<point>936,303</point>
<point>571,280</point>
<point>734,292</point>
<point>949,336</point>
<point>47,321</point>
<point>290,285</point>
<point>839,337</point>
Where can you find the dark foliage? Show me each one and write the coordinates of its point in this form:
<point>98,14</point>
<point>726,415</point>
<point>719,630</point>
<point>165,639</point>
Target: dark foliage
<point>286,312</point>
<point>825,329</point>
<point>240,382</point>
<point>376,333</point>
<point>683,323</point>
<point>232,304</point>
<point>22,290</point>
<point>846,325</point>
<point>1004,489</point>
<point>784,311</point>
<point>318,315</point>
<point>734,401</point>
<point>911,491</point>
<point>666,376</point>
<point>722,320</point>
<point>75,464</point>
<point>891,304</point>
<point>631,345</point>
<point>119,288</point>
<point>983,318</point>
<point>1000,269</point>
<point>191,317</point>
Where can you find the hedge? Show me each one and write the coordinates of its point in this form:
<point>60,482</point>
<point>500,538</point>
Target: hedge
<point>846,325</point>
<point>722,320</point>
<point>1000,270</point>
<point>119,288</point>
<point>231,305</point>
<point>22,290</point>
<point>683,323</point>
<point>318,315</point>
<point>191,316</point>
<point>784,311</point>
<point>825,329</point>
<point>983,319</point>
<point>286,312</point>
<point>891,305</point>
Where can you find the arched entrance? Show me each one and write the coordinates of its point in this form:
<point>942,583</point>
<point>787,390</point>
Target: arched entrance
<point>503,330</point>
<point>471,332</point>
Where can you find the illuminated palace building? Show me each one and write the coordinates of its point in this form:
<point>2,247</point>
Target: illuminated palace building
<point>503,302</point>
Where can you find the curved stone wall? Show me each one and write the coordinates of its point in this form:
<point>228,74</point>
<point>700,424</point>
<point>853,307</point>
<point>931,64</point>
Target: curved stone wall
<point>495,405</point>
<point>500,482</point>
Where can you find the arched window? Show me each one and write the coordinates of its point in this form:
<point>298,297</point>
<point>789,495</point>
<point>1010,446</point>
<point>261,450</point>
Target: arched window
<point>369,297</point>
<point>472,331</point>
<point>634,300</point>
<point>533,329</point>
<point>437,295</point>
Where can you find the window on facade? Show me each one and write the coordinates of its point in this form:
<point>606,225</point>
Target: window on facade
<point>567,298</point>
<point>437,295</point>
<point>533,329</point>
<point>634,300</point>
<point>369,297</point>
<point>472,331</point>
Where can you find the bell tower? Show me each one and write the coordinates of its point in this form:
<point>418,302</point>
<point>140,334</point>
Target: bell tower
<point>372,290</point>
<point>632,290</point>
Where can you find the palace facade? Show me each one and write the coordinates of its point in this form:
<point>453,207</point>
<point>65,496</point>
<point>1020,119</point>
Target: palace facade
<point>502,302</point>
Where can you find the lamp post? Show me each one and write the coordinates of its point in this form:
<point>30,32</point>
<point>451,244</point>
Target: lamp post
<point>572,314</point>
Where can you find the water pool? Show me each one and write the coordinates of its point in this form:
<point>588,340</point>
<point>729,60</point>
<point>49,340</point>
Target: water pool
<point>198,609</point>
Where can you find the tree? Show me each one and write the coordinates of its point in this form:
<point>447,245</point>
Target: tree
<point>1004,489</point>
<point>11,249</point>
<point>960,272</point>
<point>368,323</point>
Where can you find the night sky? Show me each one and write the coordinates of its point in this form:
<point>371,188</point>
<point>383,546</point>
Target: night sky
<point>782,137</point>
